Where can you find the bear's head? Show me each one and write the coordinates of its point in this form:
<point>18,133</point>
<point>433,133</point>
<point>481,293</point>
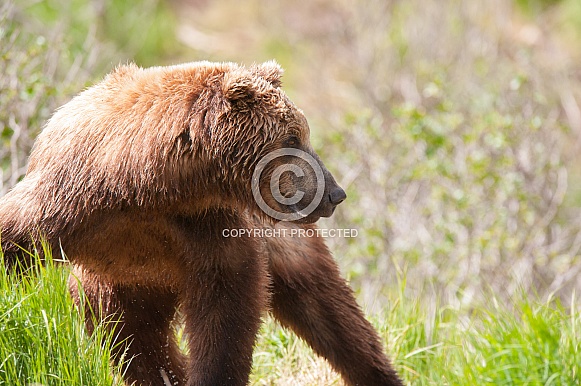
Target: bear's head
<point>264,140</point>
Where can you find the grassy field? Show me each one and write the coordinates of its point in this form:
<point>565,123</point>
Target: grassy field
<point>539,344</point>
<point>526,342</point>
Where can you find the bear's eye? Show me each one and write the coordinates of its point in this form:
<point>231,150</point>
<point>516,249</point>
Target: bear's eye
<point>292,141</point>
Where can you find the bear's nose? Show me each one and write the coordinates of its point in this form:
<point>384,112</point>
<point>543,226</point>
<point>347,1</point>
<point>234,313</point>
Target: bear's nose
<point>337,196</point>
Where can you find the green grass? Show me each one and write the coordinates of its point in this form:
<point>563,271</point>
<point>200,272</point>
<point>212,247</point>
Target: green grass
<point>527,342</point>
<point>42,337</point>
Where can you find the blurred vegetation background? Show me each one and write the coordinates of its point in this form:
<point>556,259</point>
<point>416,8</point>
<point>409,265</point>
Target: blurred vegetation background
<point>455,126</point>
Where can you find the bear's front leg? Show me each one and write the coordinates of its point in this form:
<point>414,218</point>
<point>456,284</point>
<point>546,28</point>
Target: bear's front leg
<point>311,298</point>
<point>225,295</point>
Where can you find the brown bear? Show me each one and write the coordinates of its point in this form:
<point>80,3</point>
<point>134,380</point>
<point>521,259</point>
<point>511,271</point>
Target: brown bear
<point>139,181</point>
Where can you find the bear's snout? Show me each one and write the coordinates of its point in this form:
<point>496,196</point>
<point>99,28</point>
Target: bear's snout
<point>337,196</point>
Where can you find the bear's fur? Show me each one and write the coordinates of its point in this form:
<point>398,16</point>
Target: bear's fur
<point>137,178</point>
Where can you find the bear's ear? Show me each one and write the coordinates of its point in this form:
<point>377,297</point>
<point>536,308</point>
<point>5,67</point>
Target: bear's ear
<point>270,71</point>
<point>238,85</point>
